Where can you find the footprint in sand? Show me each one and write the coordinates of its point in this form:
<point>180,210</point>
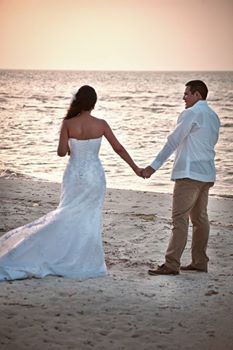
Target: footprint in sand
<point>211,292</point>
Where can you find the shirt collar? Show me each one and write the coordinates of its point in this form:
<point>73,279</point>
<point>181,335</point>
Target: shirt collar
<point>202,102</point>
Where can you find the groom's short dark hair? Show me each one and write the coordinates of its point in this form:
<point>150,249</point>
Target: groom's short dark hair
<point>198,85</point>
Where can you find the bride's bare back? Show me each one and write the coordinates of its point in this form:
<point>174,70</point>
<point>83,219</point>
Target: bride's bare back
<point>85,126</point>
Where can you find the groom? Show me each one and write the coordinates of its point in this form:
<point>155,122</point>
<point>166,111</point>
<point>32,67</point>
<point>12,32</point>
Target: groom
<point>193,139</point>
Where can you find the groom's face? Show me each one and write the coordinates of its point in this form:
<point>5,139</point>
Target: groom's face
<point>190,98</point>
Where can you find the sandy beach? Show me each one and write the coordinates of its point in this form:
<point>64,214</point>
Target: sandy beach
<point>128,309</point>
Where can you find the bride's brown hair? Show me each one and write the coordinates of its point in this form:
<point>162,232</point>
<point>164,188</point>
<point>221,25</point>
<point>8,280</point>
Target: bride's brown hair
<point>84,100</point>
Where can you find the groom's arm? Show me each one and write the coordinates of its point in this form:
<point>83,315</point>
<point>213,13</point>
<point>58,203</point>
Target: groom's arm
<point>163,155</point>
<point>183,128</point>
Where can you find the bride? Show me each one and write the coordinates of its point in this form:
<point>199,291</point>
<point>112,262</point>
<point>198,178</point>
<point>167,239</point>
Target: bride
<point>67,241</point>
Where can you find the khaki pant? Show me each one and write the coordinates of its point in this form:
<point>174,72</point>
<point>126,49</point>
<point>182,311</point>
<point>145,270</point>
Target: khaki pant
<point>190,199</point>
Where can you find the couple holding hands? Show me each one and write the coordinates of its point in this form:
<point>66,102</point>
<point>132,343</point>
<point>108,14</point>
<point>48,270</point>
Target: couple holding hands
<point>68,241</point>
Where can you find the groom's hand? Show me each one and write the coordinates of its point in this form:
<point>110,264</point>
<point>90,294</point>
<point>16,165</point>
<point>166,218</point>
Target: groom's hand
<point>147,172</point>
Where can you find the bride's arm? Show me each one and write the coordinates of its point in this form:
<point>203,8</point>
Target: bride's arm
<point>63,146</point>
<point>119,149</point>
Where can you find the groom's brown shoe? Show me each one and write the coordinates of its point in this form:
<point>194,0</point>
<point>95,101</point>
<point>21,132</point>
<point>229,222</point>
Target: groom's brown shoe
<point>190,267</point>
<point>162,270</point>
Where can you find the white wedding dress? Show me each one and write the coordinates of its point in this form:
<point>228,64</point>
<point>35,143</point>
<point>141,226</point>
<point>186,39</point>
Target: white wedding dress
<point>67,241</point>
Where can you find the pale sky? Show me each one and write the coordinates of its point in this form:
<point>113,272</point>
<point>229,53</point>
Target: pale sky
<point>116,34</point>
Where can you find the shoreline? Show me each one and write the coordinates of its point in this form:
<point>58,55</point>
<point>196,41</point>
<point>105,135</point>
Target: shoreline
<point>8,175</point>
<point>127,309</point>
<point>33,191</point>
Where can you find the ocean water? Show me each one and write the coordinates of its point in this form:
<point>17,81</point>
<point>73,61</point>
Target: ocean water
<point>141,107</point>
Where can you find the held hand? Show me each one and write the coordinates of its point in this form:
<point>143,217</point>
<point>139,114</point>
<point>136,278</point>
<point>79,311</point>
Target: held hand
<point>139,171</point>
<point>147,172</point>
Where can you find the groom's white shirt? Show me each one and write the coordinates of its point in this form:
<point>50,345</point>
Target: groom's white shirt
<point>194,139</point>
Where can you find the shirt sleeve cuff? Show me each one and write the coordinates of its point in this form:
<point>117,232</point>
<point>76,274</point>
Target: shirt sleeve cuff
<point>155,165</point>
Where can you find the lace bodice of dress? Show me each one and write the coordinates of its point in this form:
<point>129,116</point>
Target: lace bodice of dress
<point>84,170</point>
<point>84,150</point>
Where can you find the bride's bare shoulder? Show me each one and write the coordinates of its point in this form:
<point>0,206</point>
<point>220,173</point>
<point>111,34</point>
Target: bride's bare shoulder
<point>100,120</point>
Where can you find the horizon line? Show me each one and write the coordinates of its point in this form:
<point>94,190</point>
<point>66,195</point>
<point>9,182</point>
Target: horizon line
<point>114,70</point>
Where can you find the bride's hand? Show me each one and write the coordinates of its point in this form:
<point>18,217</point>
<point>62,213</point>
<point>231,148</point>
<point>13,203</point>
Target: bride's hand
<point>139,172</point>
